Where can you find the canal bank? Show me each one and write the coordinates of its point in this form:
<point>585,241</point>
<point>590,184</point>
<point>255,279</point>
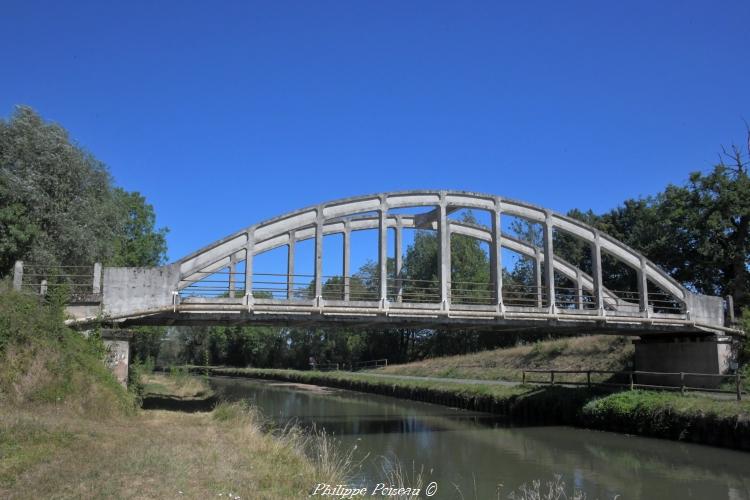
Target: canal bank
<point>695,419</point>
<point>475,455</point>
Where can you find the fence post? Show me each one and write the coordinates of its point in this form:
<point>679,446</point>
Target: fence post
<point>588,378</point>
<point>631,380</point>
<point>737,383</point>
<point>682,383</point>
<point>552,377</point>
<point>523,377</point>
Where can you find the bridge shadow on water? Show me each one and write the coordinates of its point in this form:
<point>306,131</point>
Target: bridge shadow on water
<point>174,403</point>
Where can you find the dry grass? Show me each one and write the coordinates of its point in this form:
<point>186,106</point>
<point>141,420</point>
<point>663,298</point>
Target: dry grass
<point>596,352</point>
<point>49,453</point>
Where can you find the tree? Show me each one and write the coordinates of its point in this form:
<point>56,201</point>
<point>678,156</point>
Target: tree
<point>17,231</point>
<point>699,232</point>
<point>137,241</point>
<point>59,205</point>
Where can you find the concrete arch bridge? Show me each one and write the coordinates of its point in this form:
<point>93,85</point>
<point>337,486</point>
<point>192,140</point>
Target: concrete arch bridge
<point>222,283</point>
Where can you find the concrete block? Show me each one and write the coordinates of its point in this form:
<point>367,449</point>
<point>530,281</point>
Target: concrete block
<point>118,359</point>
<point>689,354</point>
<point>129,289</point>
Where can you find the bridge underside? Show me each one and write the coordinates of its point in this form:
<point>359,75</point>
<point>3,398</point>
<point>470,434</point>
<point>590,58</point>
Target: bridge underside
<point>510,322</point>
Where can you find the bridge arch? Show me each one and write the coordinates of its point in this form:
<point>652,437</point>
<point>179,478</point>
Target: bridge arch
<point>372,212</point>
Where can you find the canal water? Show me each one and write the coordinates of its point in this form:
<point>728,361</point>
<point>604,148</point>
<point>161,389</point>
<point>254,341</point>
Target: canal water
<point>475,456</point>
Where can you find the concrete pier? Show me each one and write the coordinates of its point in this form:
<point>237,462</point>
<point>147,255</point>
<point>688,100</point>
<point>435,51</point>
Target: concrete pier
<point>680,356</point>
<point>117,343</point>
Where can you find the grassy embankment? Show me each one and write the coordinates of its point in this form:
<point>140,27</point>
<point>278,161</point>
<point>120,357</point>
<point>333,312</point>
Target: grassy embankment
<point>596,352</point>
<point>659,414</point>
<point>68,430</point>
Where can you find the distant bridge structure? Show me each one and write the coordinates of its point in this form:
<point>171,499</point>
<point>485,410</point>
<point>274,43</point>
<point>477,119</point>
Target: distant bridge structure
<point>674,329</point>
<point>220,284</point>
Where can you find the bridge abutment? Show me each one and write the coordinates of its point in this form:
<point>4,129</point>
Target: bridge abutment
<point>679,357</point>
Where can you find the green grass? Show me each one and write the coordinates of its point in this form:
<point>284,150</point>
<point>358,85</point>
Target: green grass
<point>316,377</point>
<point>698,419</point>
<point>26,442</point>
<point>155,388</point>
<point>649,404</point>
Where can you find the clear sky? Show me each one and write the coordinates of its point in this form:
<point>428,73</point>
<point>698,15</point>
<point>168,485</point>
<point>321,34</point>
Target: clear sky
<point>227,113</point>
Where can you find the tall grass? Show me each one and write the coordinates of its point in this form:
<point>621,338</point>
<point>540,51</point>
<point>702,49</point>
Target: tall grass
<point>554,489</point>
<point>396,476</point>
<point>332,463</point>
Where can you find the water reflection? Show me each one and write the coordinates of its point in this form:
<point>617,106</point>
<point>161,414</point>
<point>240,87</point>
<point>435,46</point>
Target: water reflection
<point>475,452</point>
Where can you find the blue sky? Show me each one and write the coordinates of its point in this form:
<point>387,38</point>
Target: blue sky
<point>227,113</point>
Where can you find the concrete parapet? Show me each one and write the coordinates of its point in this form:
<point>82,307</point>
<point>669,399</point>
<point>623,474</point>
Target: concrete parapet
<point>128,289</point>
<point>706,309</point>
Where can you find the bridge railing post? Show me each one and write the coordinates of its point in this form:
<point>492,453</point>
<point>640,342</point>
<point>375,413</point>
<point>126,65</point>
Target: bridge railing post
<point>523,377</point>
<point>399,260</point>
<point>97,285</point>
<point>596,252</point>
<point>643,287</point>
<point>631,380</point>
<point>346,259</point>
<point>18,275</point>
<point>549,259</point>
<point>383,252</point>
<point>552,377</point>
<point>232,275</point>
<point>538,278</point>
<point>682,383</point>
<point>496,256</point>
<point>319,258</point>
<point>290,265</point>
<point>444,247</point>
<point>249,251</point>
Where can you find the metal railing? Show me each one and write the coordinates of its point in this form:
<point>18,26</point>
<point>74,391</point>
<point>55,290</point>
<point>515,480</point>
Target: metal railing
<point>300,287</point>
<point>371,364</point>
<point>78,281</point>
<point>524,295</point>
<point>414,290</point>
<point>662,302</point>
<point>325,367</point>
<point>632,379</point>
<point>573,298</point>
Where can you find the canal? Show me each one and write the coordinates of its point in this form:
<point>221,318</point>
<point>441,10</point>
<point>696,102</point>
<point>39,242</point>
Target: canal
<point>476,456</point>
